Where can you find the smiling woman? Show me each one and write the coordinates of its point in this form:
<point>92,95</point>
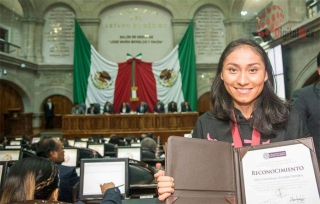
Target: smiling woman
<point>245,109</point>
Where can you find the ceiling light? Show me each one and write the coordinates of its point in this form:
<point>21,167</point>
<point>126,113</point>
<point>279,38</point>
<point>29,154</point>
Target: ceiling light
<point>243,13</point>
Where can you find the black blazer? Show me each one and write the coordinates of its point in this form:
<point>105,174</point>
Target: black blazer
<point>307,102</point>
<point>48,112</point>
<point>68,178</point>
<point>145,109</point>
<point>172,109</point>
<point>108,111</point>
<point>159,110</point>
<point>95,111</point>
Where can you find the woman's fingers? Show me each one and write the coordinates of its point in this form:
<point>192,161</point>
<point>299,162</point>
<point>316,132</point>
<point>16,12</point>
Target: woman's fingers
<point>162,197</point>
<point>159,173</point>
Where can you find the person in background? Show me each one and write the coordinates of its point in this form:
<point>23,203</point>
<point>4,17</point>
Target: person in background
<point>108,108</point>
<point>159,107</point>
<point>125,108</point>
<point>245,109</point>
<point>149,143</point>
<point>307,102</point>
<point>185,107</point>
<point>36,180</point>
<point>52,149</point>
<point>3,142</point>
<point>77,109</point>
<point>92,109</point>
<point>142,107</point>
<point>48,109</point>
<point>172,107</point>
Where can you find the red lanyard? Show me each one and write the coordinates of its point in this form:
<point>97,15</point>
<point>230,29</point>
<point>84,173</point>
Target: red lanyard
<point>237,142</point>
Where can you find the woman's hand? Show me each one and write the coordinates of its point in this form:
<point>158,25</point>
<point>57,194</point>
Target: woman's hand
<point>165,185</point>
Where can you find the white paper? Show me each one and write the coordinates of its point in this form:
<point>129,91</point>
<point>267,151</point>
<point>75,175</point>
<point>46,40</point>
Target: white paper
<point>280,175</point>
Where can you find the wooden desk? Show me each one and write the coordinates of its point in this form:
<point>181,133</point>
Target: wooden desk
<point>164,125</point>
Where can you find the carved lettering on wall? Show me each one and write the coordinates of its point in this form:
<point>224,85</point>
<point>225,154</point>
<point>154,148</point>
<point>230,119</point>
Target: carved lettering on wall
<point>58,36</point>
<point>209,34</point>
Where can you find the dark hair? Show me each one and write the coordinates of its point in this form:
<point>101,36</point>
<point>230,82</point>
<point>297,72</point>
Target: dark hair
<point>30,178</point>
<point>270,112</point>
<point>318,60</point>
<point>45,146</point>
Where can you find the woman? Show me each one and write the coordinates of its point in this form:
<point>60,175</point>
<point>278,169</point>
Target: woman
<point>125,108</point>
<point>245,109</point>
<point>36,178</point>
<point>29,179</point>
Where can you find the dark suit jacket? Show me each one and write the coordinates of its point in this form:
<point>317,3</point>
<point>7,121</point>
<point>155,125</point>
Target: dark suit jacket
<point>127,109</point>
<point>172,109</point>
<point>307,101</point>
<point>185,109</point>
<point>68,178</point>
<point>95,111</point>
<point>108,111</point>
<point>145,109</point>
<point>48,112</point>
<point>159,110</point>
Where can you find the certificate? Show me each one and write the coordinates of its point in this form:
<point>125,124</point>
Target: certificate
<point>280,175</point>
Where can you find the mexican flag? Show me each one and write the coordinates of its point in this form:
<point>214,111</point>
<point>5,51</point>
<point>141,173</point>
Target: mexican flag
<point>98,80</point>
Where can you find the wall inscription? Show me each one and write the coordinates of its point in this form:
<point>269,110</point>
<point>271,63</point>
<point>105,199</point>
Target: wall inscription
<point>209,35</point>
<point>58,36</point>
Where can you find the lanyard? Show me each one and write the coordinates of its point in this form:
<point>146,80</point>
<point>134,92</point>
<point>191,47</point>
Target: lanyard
<point>237,142</point>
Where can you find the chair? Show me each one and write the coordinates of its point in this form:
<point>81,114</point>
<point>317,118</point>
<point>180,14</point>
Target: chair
<point>97,107</point>
<point>147,154</point>
<point>26,153</point>
<point>140,172</point>
<point>85,153</point>
<point>110,150</point>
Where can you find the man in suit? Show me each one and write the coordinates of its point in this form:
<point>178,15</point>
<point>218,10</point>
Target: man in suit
<point>77,109</point>
<point>172,107</point>
<point>307,101</point>
<point>92,109</point>
<point>48,109</point>
<point>108,108</point>
<point>52,149</point>
<point>142,108</point>
<point>185,107</point>
<point>159,107</point>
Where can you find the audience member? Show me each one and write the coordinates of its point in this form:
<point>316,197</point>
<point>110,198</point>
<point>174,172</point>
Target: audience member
<point>31,178</point>
<point>149,143</point>
<point>172,107</point>
<point>114,139</point>
<point>159,107</point>
<point>108,108</point>
<point>92,109</point>
<point>142,107</point>
<point>77,109</point>
<point>52,148</point>
<point>243,97</point>
<point>125,108</point>
<point>185,107</point>
<point>307,102</point>
<point>3,142</point>
<point>48,109</point>
<point>36,180</point>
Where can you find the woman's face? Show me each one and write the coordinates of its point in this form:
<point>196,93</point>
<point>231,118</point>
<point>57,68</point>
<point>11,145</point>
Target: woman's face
<point>244,74</point>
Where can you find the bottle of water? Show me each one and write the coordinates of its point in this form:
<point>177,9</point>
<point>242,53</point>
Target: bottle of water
<point>157,153</point>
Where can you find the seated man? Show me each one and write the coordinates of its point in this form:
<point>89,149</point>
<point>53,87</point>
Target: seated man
<point>172,107</point>
<point>77,109</point>
<point>185,107</point>
<point>159,107</point>
<point>108,108</point>
<point>92,109</point>
<point>142,108</point>
<point>52,149</point>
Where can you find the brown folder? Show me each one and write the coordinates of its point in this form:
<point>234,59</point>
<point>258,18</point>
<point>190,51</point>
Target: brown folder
<point>210,171</point>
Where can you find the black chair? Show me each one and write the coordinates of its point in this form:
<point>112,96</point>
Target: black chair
<point>85,153</point>
<point>147,154</point>
<point>97,107</point>
<point>140,172</point>
<point>110,150</point>
<point>26,153</point>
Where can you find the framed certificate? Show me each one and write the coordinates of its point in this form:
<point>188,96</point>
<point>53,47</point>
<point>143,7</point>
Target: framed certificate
<point>284,172</point>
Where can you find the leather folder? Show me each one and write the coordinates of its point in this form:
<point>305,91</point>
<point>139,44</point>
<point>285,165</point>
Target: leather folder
<point>210,171</point>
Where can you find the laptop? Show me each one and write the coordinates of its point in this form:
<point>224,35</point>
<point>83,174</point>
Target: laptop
<point>15,142</point>
<point>129,152</point>
<point>97,147</point>
<point>80,144</point>
<point>13,147</point>
<point>71,142</point>
<point>10,154</point>
<point>35,140</point>
<point>96,171</point>
<point>71,157</point>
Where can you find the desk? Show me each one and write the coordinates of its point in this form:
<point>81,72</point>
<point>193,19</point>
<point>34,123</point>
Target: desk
<point>164,124</point>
